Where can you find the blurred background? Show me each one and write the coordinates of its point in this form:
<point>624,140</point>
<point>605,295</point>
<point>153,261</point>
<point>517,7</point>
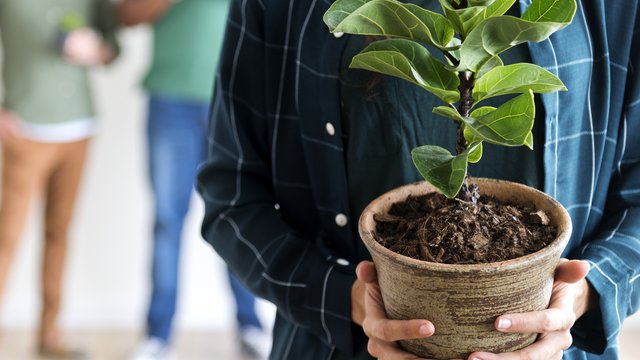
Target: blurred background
<point>107,275</point>
<point>107,284</point>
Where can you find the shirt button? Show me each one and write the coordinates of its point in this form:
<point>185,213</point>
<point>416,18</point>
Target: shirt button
<point>331,130</point>
<point>338,35</point>
<point>343,262</point>
<point>341,220</point>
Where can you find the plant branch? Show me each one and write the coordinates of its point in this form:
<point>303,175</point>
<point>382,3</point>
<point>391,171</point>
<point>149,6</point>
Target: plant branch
<point>468,193</point>
<point>467,81</point>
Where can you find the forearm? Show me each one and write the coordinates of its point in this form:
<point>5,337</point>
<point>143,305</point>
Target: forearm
<point>134,12</point>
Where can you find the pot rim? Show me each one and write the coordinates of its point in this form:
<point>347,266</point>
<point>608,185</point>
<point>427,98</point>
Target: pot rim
<point>557,245</point>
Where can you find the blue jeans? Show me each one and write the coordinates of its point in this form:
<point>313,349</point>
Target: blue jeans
<point>177,132</point>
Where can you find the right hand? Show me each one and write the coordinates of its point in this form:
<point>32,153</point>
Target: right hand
<point>85,47</point>
<point>9,125</point>
<point>368,311</point>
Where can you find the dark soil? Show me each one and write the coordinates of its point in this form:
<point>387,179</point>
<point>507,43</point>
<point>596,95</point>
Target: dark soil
<point>437,229</point>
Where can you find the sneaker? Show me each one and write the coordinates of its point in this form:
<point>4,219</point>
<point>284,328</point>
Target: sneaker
<point>254,342</point>
<point>151,349</point>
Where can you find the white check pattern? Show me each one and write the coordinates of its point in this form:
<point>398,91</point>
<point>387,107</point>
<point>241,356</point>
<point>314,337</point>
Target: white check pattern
<point>275,180</point>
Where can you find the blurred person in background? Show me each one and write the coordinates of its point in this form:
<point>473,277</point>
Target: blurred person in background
<point>46,122</point>
<point>187,40</point>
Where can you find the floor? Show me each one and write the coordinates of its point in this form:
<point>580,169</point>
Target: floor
<point>114,345</point>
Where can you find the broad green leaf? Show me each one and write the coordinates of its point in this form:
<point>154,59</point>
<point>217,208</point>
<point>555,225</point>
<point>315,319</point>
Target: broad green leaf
<point>489,65</point>
<point>516,79</point>
<point>497,34</point>
<point>498,7</point>
<point>448,112</point>
<point>476,154</point>
<point>471,137</point>
<point>389,18</point>
<point>443,170</point>
<point>561,11</point>
<point>412,62</point>
<point>508,125</point>
<point>482,111</point>
<point>480,2</point>
<point>463,20</point>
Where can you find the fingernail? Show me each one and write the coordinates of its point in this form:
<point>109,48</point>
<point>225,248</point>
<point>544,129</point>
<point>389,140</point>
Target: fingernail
<point>503,324</point>
<point>425,330</point>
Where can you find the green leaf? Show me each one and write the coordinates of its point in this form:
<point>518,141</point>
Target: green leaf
<point>529,141</point>
<point>489,65</point>
<point>508,125</point>
<point>463,20</point>
<point>516,79</point>
<point>497,34</point>
<point>560,11</point>
<point>480,2</point>
<point>498,7</point>
<point>389,18</point>
<point>412,62</point>
<point>448,112</point>
<point>482,111</point>
<point>471,138</point>
<point>475,155</point>
<point>443,170</point>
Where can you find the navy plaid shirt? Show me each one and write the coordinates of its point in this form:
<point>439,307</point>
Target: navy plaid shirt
<point>275,186</point>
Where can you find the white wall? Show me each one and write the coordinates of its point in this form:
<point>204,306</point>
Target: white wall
<point>107,275</point>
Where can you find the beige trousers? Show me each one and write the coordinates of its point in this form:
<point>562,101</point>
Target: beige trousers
<point>52,170</point>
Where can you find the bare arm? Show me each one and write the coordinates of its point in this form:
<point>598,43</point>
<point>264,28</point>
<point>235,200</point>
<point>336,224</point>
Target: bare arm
<point>134,12</point>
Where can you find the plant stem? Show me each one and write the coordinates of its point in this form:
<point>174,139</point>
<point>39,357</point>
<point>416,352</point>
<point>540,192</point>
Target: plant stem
<point>467,81</point>
<point>468,193</point>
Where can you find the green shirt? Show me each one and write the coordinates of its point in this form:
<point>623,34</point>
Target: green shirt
<point>187,41</point>
<point>41,86</point>
<point>390,116</point>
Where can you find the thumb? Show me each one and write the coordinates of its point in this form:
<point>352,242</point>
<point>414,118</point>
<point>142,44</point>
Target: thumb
<point>572,271</point>
<point>366,272</point>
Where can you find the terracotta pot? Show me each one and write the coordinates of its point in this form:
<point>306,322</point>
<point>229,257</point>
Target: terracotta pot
<point>463,301</point>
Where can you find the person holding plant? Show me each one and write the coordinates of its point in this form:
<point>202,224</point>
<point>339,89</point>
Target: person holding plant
<point>187,38</point>
<point>46,123</point>
<point>300,144</point>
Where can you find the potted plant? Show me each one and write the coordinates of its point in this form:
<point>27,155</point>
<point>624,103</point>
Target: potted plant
<point>454,279</point>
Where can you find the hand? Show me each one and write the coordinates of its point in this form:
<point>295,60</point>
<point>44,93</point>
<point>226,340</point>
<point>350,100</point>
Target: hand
<point>571,297</point>
<point>9,125</point>
<point>368,311</point>
<point>86,48</point>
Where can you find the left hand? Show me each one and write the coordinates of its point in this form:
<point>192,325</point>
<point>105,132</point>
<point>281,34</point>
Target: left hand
<point>571,297</point>
<point>86,48</point>
<point>368,311</point>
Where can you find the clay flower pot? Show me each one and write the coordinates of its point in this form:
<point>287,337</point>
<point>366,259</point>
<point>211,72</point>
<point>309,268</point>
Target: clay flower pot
<point>463,301</point>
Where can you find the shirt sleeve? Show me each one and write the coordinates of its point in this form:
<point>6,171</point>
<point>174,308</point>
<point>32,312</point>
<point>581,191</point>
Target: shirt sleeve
<point>104,20</point>
<point>241,221</point>
<point>615,253</point>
